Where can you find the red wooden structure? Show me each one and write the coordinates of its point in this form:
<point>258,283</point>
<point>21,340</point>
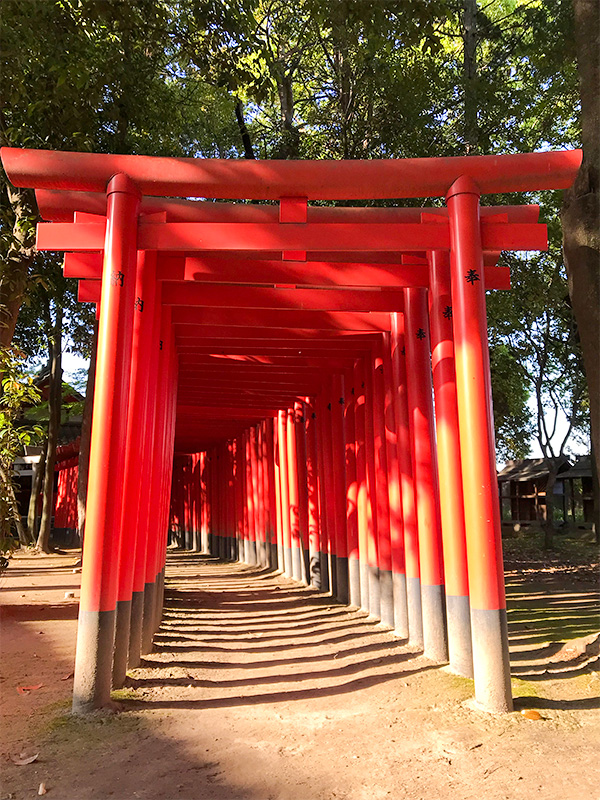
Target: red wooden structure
<point>266,384</point>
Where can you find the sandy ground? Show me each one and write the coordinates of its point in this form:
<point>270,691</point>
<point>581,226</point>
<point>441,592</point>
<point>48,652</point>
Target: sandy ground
<point>259,689</point>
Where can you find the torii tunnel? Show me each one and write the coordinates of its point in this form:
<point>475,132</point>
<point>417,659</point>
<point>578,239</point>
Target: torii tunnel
<point>301,387</point>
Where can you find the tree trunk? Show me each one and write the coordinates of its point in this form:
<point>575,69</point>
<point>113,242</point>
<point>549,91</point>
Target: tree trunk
<point>36,488</point>
<point>290,138</point>
<point>581,213</point>
<point>84,442</point>
<point>548,521</point>
<point>15,268</point>
<point>22,533</point>
<point>596,493</point>
<point>54,408</point>
<point>469,35</point>
<point>246,140</point>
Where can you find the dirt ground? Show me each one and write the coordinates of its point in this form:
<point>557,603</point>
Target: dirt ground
<point>259,689</point>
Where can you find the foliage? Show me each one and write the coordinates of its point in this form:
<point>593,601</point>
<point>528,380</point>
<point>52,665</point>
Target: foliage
<point>313,79</point>
<point>16,391</point>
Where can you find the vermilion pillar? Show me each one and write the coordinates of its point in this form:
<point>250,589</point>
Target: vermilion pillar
<point>372,553</point>
<point>384,548</point>
<point>293,494</point>
<point>351,495</point>
<point>163,527</point>
<point>239,500</point>
<point>395,499</point>
<point>298,504</point>
<point>312,488</point>
<point>363,499</point>
<point>339,486</point>
<point>449,466</point>
<point>158,470</point>
<point>301,553</point>
<point>324,522</point>
<point>257,500</point>
<point>278,500</point>
<point>491,664</point>
<point>97,609</point>
<point>136,472</point>
<point>250,501</point>
<point>142,524</point>
<point>420,404</point>
<point>285,492</point>
<point>269,462</point>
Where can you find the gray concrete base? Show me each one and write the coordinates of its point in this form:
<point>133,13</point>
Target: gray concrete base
<point>297,564</point>
<point>435,635</point>
<point>324,564</point>
<point>400,604</point>
<point>460,645</point>
<point>374,592</point>
<point>261,554</point>
<point>135,629</point>
<point>332,567</point>
<point>491,665</point>
<point>364,585</point>
<point>121,645</point>
<point>287,562</point>
<point>93,661</point>
<point>314,571</point>
<point>354,581</point>
<point>160,598</point>
<point>273,555</point>
<point>280,558</point>
<point>342,579</point>
<point>386,592</point>
<point>148,617</point>
<point>415,617</point>
<point>251,555</point>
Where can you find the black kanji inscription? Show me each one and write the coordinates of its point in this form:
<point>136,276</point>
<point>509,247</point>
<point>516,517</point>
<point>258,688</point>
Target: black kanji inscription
<point>472,276</point>
<point>139,304</point>
<point>160,345</point>
<point>447,312</point>
<point>116,278</point>
<point>329,406</point>
<point>403,351</point>
<point>341,401</point>
<point>421,334</point>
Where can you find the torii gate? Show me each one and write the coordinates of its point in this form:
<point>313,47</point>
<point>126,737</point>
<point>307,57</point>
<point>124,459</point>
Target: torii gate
<point>289,347</point>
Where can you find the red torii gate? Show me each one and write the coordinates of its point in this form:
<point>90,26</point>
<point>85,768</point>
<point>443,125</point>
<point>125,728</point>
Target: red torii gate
<point>271,385</point>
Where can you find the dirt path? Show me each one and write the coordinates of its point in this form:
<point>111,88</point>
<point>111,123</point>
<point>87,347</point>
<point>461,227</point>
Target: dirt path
<point>261,689</point>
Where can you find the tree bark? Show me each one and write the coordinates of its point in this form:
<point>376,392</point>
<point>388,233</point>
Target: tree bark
<point>86,436</point>
<point>54,408</point>
<point>581,214</point>
<point>290,138</point>
<point>469,35</point>
<point>36,488</point>
<point>22,533</point>
<point>548,514</point>
<point>15,268</point>
<point>246,140</point>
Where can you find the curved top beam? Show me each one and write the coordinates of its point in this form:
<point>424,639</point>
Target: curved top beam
<point>272,180</point>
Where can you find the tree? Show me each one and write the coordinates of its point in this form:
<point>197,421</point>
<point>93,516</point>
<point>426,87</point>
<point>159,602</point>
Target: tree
<point>16,391</point>
<point>581,219</point>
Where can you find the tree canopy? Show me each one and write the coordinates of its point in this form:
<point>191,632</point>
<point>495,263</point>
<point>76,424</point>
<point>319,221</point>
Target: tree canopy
<point>312,79</point>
